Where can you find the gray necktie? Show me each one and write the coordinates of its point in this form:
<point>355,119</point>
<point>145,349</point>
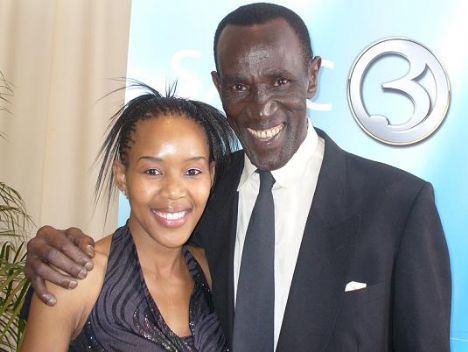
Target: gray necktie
<point>255,301</point>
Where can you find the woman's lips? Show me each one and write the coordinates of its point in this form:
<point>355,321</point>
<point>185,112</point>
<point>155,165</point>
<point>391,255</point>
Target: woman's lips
<point>171,218</point>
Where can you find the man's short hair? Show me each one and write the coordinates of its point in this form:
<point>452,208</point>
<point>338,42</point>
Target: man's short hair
<point>260,13</point>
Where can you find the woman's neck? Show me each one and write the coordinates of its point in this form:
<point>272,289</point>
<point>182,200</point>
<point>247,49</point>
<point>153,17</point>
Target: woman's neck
<point>154,257</point>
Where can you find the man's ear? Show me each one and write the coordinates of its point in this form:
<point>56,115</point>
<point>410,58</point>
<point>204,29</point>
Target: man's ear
<point>216,81</point>
<point>314,69</point>
<point>119,176</point>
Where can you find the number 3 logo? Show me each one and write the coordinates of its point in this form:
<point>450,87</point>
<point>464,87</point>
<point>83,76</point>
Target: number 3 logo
<point>426,117</point>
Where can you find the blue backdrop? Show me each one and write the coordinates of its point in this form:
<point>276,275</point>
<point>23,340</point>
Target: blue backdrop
<point>170,41</point>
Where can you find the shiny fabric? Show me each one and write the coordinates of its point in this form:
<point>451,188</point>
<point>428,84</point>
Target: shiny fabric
<point>126,318</point>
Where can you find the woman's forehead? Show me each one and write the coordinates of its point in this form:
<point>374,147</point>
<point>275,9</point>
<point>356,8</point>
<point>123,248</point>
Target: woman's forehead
<point>176,132</point>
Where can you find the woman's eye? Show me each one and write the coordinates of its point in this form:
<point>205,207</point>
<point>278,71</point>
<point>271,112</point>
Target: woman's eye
<point>281,82</point>
<point>152,172</point>
<point>193,172</point>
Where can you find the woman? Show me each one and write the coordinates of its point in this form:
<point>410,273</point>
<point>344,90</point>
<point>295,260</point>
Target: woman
<point>147,291</point>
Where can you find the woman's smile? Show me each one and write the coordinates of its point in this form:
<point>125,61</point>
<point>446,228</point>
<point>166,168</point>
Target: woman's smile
<point>172,218</point>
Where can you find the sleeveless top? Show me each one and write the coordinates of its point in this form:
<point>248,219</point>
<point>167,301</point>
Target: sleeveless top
<point>126,318</point>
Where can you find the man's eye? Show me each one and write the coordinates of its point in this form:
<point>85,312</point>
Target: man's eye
<point>239,87</point>
<point>193,172</point>
<point>152,172</point>
<point>281,82</point>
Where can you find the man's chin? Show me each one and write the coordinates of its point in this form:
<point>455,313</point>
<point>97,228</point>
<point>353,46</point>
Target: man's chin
<point>268,161</point>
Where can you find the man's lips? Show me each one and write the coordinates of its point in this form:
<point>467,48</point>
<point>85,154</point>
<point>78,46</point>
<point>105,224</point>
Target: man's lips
<point>266,134</point>
<point>171,218</point>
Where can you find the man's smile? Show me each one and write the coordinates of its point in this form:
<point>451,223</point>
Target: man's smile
<point>267,134</point>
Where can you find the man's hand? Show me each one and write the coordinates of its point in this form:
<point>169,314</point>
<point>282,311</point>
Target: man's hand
<point>67,250</point>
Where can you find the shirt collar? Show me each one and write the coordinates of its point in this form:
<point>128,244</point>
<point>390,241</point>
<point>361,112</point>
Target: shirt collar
<point>293,170</point>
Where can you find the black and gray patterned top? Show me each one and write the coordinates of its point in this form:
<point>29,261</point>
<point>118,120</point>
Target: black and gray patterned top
<point>126,318</point>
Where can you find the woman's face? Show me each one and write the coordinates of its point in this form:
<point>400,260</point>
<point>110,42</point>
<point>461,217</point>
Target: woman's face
<point>167,178</point>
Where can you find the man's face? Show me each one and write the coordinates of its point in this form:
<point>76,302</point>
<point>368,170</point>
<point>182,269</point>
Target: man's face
<point>263,82</point>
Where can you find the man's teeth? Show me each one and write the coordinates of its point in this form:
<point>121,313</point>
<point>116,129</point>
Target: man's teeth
<point>171,216</point>
<point>266,134</point>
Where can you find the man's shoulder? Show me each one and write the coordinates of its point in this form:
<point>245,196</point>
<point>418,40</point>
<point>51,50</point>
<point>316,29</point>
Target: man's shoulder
<point>370,172</point>
<point>376,180</point>
<point>365,180</point>
<point>368,168</point>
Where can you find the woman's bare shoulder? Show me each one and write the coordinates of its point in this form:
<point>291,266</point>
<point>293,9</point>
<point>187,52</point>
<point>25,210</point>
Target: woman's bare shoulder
<point>102,248</point>
<point>92,283</point>
<point>66,318</point>
<point>91,286</point>
<point>87,292</point>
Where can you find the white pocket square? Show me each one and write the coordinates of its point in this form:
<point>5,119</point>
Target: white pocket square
<point>353,286</point>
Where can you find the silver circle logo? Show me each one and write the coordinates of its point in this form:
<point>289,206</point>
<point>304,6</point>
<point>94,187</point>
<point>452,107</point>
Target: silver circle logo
<point>427,115</point>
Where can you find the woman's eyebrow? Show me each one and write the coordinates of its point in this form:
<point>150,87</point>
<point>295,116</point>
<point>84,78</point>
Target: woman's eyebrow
<point>154,158</point>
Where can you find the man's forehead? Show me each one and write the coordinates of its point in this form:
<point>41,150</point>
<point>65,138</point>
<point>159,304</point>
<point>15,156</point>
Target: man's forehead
<point>261,60</point>
<point>259,32</point>
<point>241,46</point>
<point>259,38</point>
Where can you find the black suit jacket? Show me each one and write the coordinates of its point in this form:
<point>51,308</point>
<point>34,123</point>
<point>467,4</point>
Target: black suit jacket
<point>369,223</point>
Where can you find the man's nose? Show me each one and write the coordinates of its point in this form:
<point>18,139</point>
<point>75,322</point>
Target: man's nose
<point>263,103</point>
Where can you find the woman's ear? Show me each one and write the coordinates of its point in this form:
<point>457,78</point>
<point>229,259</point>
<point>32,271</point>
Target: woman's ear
<point>119,176</point>
<point>212,172</point>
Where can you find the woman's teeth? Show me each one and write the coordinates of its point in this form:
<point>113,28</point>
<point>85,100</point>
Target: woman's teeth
<point>171,216</point>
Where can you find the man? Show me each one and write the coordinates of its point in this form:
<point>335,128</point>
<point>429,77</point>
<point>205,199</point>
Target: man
<point>359,255</point>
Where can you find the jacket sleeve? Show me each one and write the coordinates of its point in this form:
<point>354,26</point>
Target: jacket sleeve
<point>422,281</point>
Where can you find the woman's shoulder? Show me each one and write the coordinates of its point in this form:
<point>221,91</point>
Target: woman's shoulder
<point>66,318</point>
<point>94,276</point>
<point>85,295</point>
<point>102,250</point>
<point>97,274</point>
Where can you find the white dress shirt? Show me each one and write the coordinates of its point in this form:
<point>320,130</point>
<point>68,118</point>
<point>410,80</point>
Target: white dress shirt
<point>293,192</point>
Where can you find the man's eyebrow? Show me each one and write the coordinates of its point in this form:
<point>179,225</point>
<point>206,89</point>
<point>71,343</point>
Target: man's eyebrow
<point>231,78</point>
<point>270,73</point>
<point>277,72</point>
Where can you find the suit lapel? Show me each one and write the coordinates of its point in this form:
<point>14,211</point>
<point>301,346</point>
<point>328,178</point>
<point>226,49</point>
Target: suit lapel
<point>317,285</point>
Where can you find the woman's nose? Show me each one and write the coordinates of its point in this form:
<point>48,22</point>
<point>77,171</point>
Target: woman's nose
<point>173,187</point>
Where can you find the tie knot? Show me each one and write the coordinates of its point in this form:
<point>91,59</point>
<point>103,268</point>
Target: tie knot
<point>266,180</point>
